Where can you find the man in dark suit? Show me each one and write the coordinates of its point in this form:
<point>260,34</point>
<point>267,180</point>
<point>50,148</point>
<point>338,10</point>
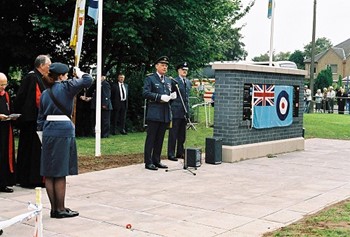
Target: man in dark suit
<point>106,107</point>
<point>27,103</point>
<point>119,98</point>
<point>157,91</point>
<point>179,108</point>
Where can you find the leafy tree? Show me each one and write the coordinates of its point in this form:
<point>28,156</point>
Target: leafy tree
<point>321,44</point>
<point>262,58</point>
<point>298,57</point>
<point>340,81</point>
<point>135,33</point>
<point>324,79</point>
<point>282,56</point>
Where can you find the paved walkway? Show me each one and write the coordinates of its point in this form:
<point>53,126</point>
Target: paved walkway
<point>242,199</point>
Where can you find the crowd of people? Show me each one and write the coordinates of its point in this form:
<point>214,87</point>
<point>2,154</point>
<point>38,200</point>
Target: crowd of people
<point>43,109</point>
<point>326,100</point>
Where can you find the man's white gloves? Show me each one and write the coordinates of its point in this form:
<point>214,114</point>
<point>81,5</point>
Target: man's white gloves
<point>78,72</point>
<point>165,98</point>
<point>173,95</point>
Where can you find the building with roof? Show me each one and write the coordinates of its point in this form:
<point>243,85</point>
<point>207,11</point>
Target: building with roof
<point>336,57</point>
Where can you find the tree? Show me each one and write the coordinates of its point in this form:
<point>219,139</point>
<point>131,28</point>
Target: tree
<point>324,79</point>
<point>134,34</point>
<point>282,56</point>
<point>261,58</point>
<point>321,44</point>
<point>298,57</point>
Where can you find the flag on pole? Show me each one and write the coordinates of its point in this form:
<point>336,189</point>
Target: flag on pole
<point>76,37</point>
<point>93,10</point>
<point>269,10</point>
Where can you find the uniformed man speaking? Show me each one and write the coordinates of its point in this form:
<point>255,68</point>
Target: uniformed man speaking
<point>157,91</point>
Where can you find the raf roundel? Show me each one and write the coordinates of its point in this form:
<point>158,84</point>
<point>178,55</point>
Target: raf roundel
<point>282,105</point>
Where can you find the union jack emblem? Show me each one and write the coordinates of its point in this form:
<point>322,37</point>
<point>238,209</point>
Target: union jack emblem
<point>263,95</point>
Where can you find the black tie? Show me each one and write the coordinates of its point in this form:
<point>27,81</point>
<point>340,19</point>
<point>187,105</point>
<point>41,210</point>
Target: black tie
<point>123,92</point>
<point>162,79</point>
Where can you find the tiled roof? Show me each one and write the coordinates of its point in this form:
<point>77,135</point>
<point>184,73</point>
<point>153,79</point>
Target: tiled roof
<point>342,50</point>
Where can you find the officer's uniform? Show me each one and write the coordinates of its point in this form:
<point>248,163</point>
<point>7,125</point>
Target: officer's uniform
<point>158,115</point>
<point>177,133</point>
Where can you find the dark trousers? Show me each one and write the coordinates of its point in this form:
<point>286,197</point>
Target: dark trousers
<point>177,137</point>
<point>118,116</point>
<point>154,142</point>
<point>105,122</point>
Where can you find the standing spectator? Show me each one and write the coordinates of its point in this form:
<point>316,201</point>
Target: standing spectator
<point>341,100</point>
<point>83,126</point>
<point>324,100</point>
<point>307,99</point>
<point>106,107</point>
<point>348,101</point>
<point>157,90</point>
<point>179,108</point>
<point>59,151</point>
<point>119,97</point>
<point>27,103</point>
<point>330,99</point>
<point>318,101</point>
<point>7,146</point>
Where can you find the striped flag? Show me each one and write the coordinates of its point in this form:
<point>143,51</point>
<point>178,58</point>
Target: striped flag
<point>93,10</point>
<point>269,10</point>
<point>76,37</point>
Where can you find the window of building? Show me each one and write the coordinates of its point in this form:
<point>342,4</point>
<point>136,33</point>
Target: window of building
<point>334,68</point>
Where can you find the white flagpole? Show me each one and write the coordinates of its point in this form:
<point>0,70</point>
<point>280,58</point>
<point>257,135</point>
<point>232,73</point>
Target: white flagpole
<point>271,33</point>
<point>98,81</point>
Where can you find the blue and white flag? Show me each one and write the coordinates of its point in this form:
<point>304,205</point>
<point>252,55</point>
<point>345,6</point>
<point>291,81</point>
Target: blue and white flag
<point>93,10</point>
<point>272,106</point>
<point>269,9</point>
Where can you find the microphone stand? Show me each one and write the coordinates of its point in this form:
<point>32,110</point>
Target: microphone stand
<point>185,166</point>
<point>190,124</point>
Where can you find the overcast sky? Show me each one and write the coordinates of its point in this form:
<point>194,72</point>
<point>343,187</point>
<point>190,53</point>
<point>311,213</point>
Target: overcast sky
<point>293,24</point>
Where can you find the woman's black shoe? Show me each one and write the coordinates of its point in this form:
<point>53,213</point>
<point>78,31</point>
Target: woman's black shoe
<point>6,190</point>
<point>63,214</point>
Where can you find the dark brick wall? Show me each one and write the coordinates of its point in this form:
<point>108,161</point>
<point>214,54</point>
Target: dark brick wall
<point>228,118</point>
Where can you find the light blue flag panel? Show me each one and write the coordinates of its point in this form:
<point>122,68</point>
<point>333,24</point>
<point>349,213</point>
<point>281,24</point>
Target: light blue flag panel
<point>272,106</point>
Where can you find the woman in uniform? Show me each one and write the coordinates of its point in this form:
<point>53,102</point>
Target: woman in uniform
<point>59,152</point>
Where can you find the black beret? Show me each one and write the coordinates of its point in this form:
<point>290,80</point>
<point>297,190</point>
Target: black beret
<point>183,66</point>
<point>59,68</point>
<point>163,59</point>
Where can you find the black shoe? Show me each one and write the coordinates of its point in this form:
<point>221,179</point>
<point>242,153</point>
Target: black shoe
<point>67,213</point>
<point>6,190</point>
<point>179,156</point>
<point>173,158</point>
<point>151,167</point>
<point>161,166</point>
<point>123,132</point>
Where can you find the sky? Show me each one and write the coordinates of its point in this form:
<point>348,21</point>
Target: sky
<point>293,24</point>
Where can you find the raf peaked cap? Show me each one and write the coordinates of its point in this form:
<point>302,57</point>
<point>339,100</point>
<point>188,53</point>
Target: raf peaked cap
<point>163,59</point>
<point>183,66</point>
<point>59,68</point>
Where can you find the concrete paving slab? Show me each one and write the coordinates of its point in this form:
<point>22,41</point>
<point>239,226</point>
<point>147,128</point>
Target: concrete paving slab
<point>243,199</point>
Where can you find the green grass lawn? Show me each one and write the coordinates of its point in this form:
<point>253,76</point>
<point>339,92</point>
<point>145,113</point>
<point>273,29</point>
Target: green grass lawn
<point>332,126</point>
<point>133,143</point>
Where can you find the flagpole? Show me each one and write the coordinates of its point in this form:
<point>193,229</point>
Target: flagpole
<point>272,31</point>
<point>98,81</point>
